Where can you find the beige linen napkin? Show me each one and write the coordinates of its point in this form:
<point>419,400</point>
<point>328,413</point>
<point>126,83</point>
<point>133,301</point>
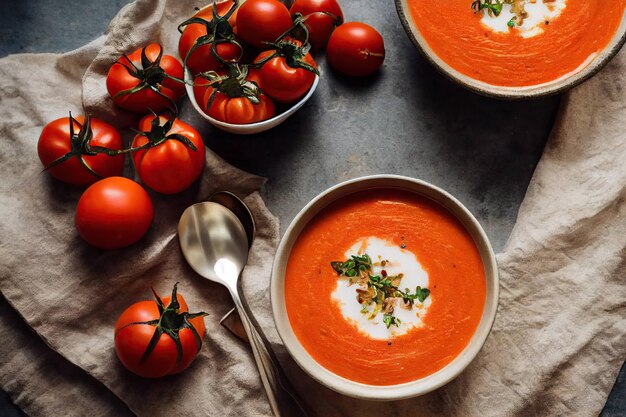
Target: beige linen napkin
<point>556,347</point>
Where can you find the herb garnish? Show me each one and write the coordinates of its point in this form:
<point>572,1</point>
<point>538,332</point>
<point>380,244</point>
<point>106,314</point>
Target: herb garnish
<point>354,266</point>
<point>511,22</point>
<point>494,8</point>
<point>380,290</point>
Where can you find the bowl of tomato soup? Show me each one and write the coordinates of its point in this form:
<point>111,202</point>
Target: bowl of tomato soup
<point>384,287</point>
<point>519,48</point>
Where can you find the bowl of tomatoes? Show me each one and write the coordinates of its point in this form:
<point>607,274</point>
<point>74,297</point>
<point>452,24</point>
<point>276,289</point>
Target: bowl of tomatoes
<point>248,65</point>
<point>242,109</point>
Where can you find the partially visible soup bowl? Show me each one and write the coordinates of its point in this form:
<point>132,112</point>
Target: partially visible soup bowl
<point>573,77</point>
<point>364,185</point>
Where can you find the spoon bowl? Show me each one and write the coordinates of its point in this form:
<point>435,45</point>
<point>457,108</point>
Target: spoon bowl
<point>213,242</point>
<point>239,209</point>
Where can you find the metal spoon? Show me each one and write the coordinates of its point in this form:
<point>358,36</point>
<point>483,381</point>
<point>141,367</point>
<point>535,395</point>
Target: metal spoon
<point>215,244</point>
<point>231,320</point>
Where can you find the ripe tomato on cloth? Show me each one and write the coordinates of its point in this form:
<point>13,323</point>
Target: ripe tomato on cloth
<point>262,21</point>
<point>146,80</point>
<point>237,99</point>
<point>210,26</point>
<point>158,338</point>
<point>355,49</point>
<point>322,16</point>
<point>169,154</point>
<point>80,150</point>
<point>113,213</point>
<point>287,72</point>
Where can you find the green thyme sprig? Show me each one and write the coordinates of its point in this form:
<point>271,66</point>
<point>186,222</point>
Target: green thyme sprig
<point>354,266</point>
<point>492,6</point>
<point>391,320</point>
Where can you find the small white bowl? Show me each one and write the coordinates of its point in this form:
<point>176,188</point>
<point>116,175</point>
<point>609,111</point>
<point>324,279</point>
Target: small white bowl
<point>391,392</point>
<point>251,128</point>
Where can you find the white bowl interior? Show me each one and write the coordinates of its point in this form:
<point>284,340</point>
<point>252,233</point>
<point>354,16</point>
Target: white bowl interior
<point>392,392</point>
<point>252,128</point>
<point>558,85</point>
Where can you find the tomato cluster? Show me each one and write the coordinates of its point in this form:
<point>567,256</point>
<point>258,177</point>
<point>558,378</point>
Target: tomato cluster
<point>168,154</point>
<point>248,60</point>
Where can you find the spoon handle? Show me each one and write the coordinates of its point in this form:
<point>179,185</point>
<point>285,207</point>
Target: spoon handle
<point>283,400</point>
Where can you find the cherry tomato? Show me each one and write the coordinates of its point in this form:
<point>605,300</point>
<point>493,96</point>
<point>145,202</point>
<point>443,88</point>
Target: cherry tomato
<point>174,327</point>
<point>155,72</point>
<point>174,156</point>
<point>69,137</point>
<point>260,21</point>
<point>322,18</point>
<point>113,213</point>
<point>202,59</point>
<point>238,110</point>
<point>355,49</point>
<point>281,81</point>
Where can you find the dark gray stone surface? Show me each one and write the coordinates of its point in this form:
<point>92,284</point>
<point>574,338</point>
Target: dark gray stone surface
<point>405,120</point>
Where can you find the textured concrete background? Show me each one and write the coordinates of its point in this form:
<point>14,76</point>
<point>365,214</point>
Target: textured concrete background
<point>406,120</point>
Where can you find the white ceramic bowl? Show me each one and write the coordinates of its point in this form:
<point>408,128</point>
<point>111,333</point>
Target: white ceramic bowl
<point>248,129</point>
<point>553,87</point>
<point>392,392</point>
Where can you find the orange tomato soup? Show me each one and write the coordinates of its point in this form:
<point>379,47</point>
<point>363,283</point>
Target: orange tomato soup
<point>456,34</point>
<point>443,248</point>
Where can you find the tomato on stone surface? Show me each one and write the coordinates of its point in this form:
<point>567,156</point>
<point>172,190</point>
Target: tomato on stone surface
<point>355,49</point>
<point>286,73</point>
<point>113,213</point>
<point>197,38</point>
<point>237,99</point>
<point>169,154</point>
<point>80,150</point>
<point>146,80</point>
<point>158,338</point>
<point>261,21</point>
<point>322,16</point>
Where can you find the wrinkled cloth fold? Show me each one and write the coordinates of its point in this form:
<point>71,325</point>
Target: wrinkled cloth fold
<point>556,347</point>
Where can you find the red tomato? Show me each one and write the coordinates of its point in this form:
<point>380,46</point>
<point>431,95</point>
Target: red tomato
<point>65,138</point>
<point>319,21</point>
<point>200,85</point>
<point>113,213</point>
<point>139,323</point>
<point>202,59</point>
<point>355,49</point>
<point>260,21</point>
<point>254,76</point>
<point>238,110</point>
<point>169,164</point>
<point>159,91</point>
<point>281,81</point>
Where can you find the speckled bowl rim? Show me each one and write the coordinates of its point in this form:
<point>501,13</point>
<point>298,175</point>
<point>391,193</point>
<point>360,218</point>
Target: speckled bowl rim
<point>400,391</point>
<point>511,93</point>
